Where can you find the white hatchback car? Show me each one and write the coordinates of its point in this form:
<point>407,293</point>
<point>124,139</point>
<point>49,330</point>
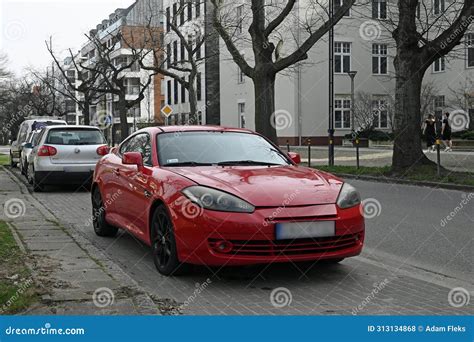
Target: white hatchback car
<point>66,155</point>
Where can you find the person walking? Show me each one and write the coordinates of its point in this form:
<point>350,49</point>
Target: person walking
<point>429,131</point>
<point>446,133</point>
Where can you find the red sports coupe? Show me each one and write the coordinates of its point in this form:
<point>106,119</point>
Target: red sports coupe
<point>223,196</point>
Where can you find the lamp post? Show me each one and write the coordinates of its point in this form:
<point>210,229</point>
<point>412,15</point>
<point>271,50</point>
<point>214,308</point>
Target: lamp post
<point>331,85</point>
<point>355,139</point>
<point>352,74</point>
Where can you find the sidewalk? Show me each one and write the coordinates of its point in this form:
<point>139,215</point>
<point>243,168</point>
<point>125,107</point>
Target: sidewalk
<point>77,277</point>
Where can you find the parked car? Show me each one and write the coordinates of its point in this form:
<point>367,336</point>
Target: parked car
<point>24,132</point>
<point>66,155</point>
<point>223,196</point>
<point>26,150</point>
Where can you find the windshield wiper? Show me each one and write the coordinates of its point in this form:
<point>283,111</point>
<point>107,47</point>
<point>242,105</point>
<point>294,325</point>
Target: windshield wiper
<point>245,162</point>
<point>188,163</point>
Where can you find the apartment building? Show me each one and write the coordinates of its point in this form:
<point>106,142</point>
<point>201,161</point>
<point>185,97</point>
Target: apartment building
<point>121,32</point>
<point>363,44</point>
<point>192,17</point>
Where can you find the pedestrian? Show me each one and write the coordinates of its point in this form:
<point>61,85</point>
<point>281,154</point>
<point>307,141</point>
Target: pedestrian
<point>446,133</point>
<point>429,132</point>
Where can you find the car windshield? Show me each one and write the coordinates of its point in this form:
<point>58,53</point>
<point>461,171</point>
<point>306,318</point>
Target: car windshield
<point>217,148</point>
<point>75,137</point>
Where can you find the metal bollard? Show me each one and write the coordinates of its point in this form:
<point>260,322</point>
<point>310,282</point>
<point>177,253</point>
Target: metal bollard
<point>309,152</point>
<point>288,146</point>
<point>438,156</point>
<point>357,153</point>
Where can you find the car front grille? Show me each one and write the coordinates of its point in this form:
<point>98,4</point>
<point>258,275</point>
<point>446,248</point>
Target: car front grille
<point>285,247</point>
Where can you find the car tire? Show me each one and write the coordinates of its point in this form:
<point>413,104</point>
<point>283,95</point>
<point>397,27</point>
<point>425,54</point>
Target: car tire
<point>163,244</point>
<point>101,227</point>
<point>37,186</point>
<point>12,163</point>
<point>23,168</point>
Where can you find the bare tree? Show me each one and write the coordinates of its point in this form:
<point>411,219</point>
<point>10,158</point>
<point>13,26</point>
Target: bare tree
<point>427,98</point>
<point>271,23</point>
<point>111,78</point>
<point>178,53</point>
<point>79,89</point>
<point>462,97</point>
<point>416,49</point>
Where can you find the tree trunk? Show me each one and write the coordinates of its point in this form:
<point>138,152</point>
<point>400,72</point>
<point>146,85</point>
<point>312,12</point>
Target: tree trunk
<point>123,110</point>
<point>264,89</point>
<point>193,115</point>
<point>407,149</point>
<point>86,113</point>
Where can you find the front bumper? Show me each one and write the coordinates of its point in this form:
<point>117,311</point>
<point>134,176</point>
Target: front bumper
<point>250,238</point>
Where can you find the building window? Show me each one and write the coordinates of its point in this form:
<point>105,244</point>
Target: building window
<point>439,65</point>
<point>175,10</point>
<point>132,86</point>
<point>439,104</point>
<point>183,56</point>
<point>168,26</point>
<point>439,7</point>
<point>198,87</point>
<point>342,57</point>
<point>183,93</point>
<point>342,113</point>
<point>470,50</point>
<point>168,90</point>
<point>418,11</point>
<point>241,112</point>
<point>198,51</point>
<point>190,45</point>
<point>181,12</point>
<point>338,4</point>
<point>176,95</point>
<point>168,55</point>
<point>380,113</point>
<point>190,11</point>
<point>240,18</point>
<point>198,8</point>
<point>175,52</point>
<point>379,9</point>
<point>379,59</point>
<point>240,75</point>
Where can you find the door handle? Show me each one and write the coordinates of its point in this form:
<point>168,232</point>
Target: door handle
<point>117,172</point>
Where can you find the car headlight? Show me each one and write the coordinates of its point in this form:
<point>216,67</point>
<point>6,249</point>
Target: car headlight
<point>217,200</point>
<point>348,197</point>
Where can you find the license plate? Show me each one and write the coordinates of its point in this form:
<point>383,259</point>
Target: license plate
<point>304,230</point>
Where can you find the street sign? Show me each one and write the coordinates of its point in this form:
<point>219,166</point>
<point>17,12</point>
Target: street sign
<point>167,110</point>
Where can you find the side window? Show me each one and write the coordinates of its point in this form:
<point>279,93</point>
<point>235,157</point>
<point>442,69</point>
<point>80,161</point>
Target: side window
<point>22,134</point>
<point>139,143</point>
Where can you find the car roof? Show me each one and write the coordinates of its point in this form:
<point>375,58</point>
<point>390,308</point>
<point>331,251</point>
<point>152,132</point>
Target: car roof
<point>43,120</point>
<point>67,127</point>
<point>205,128</point>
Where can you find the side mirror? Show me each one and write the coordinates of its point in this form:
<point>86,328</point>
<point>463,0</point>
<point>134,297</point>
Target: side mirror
<point>132,158</point>
<point>295,157</point>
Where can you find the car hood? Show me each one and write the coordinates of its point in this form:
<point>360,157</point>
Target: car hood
<point>268,186</point>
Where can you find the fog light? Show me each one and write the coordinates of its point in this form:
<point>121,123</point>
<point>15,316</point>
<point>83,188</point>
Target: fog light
<point>224,246</point>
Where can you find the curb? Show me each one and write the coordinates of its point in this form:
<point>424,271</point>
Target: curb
<point>147,305</point>
<point>448,186</point>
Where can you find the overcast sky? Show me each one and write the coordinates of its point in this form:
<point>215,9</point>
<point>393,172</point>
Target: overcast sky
<point>26,24</point>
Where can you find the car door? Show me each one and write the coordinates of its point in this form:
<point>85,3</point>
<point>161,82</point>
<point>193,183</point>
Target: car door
<point>134,185</point>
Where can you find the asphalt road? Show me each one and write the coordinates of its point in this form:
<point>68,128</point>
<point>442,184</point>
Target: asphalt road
<point>405,243</point>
